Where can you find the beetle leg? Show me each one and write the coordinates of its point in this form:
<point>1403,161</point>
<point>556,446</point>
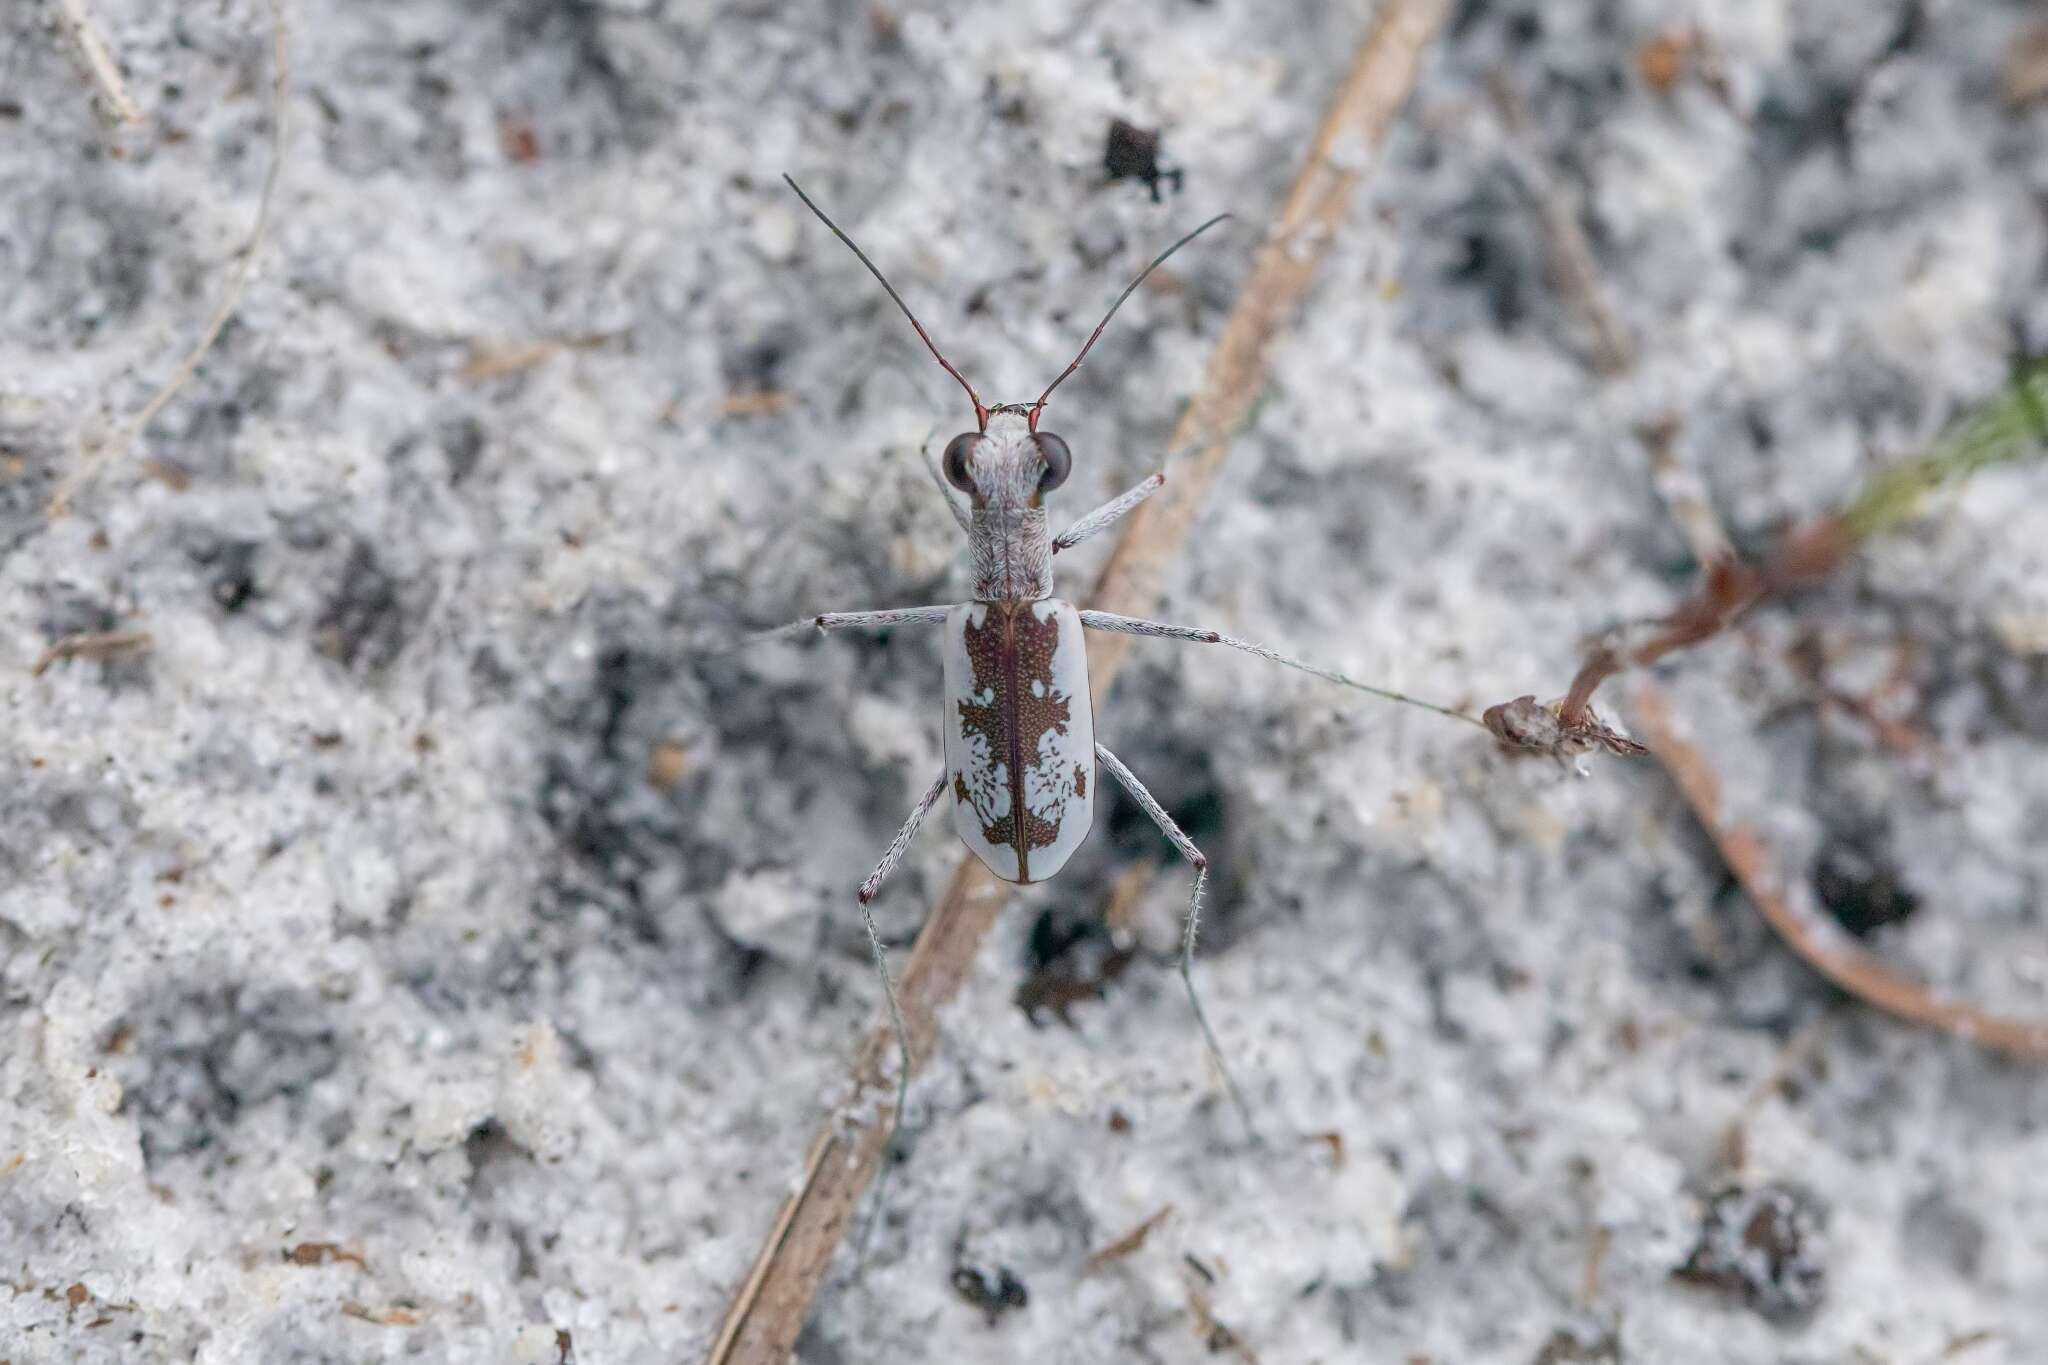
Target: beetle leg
<point>845,620</point>
<point>1191,925</point>
<point>1133,625</point>
<point>867,892</point>
<point>1106,515</point>
<point>895,616</point>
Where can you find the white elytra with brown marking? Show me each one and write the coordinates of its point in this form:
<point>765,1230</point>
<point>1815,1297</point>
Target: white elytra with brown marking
<point>1019,734</point>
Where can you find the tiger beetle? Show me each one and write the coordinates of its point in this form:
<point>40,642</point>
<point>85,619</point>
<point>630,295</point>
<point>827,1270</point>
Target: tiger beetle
<point>1021,755</point>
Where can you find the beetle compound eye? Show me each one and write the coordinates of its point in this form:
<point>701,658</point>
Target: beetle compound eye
<point>1058,460</point>
<point>955,463</point>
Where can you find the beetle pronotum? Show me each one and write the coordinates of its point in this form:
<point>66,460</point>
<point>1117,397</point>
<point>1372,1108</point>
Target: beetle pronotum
<point>1021,755</point>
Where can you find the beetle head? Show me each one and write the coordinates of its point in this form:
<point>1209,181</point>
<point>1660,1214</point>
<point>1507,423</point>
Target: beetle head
<point>1007,463</point>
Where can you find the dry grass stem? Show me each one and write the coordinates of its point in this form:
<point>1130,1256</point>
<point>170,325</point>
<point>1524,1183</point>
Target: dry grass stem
<point>1215,1336</point>
<point>94,644</point>
<point>495,362</point>
<point>98,58</point>
<point>2009,427</point>
<point>1130,1241</point>
<point>1827,949</point>
<point>2012,426</point>
<point>93,453</point>
<point>1364,107</point>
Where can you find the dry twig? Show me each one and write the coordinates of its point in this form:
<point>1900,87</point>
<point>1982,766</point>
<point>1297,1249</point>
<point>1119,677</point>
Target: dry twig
<point>231,297</point>
<point>2010,427</point>
<point>1130,1241</point>
<point>1727,589</point>
<point>769,1308</point>
<point>495,362</point>
<point>1363,109</point>
<point>1968,1341</point>
<point>2007,428</point>
<point>98,58</point>
<point>1569,726</point>
<point>752,404</point>
<point>1829,951</point>
<point>325,1253</point>
<point>389,1317</point>
<point>1215,1335</point>
<point>92,644</point>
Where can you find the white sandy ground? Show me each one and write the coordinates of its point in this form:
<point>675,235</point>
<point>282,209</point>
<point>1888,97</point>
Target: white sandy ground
<point>352,913</point>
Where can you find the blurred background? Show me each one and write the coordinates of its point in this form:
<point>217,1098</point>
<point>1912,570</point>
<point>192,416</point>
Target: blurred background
<point>420,939</point>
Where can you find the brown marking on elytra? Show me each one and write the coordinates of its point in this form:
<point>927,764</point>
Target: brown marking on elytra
<point>1081,780</point>
<point>1007,654</point>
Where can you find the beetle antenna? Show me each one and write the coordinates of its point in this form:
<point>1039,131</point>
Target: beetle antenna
<point>1129,289</point>
<point>980,412</point>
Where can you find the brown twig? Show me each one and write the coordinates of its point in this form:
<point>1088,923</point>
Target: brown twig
<point>1730,588</point>
<point>1130,1241</point>
<point>1215,1335</point>
<point>769,1308</point>
<point>487,362</point>
<point>753,404</point>
<point>325,1253</point>
<point>2008,427</point>
<point>1569,726</point>
<point>1968,1341</point>
<point>1364,107</point>
<point>92,644</point>
<point>231,297</point>
<point>1827,950</point>
<point>98,58</point>
<point>389,1317</point>
<point>1727,589</point>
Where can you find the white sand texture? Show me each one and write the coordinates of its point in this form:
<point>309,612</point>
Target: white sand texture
<point>424,937</point>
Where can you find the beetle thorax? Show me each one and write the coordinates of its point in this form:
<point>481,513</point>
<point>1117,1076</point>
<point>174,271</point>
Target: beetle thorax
<point>1008,540</point>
